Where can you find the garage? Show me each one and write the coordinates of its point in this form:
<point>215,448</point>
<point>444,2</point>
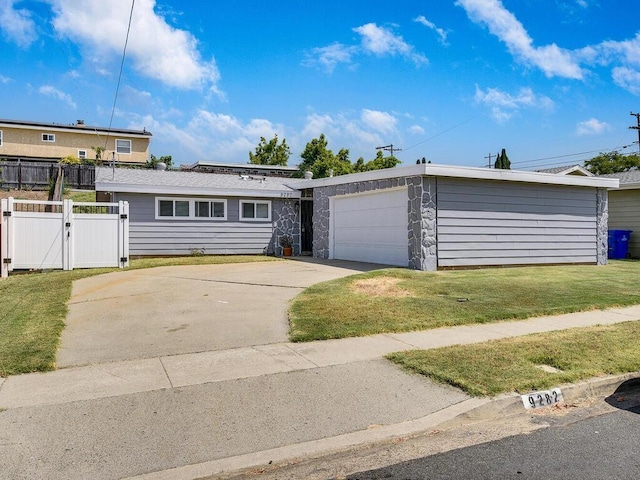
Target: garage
<point>370,227</point>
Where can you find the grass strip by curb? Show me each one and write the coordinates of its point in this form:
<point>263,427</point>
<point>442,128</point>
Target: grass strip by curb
<point>513,365</point>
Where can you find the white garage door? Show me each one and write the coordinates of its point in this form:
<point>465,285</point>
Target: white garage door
<point>371,227</point>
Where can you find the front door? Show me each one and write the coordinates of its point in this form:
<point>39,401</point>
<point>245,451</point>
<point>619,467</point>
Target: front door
<point>306,224</point>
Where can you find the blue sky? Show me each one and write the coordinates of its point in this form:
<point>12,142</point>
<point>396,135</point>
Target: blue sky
<point>552,81</point>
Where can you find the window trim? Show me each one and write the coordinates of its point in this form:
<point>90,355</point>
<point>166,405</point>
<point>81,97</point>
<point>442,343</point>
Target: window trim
<point>48,137</point>
<point>82,156</point>
<point>124,140</point>
<point>255,202</point>
<point>192,209</point>
<point>1,138</point>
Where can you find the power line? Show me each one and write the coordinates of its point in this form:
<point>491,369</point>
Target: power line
<point>124,52</point>
<point>438,134</point>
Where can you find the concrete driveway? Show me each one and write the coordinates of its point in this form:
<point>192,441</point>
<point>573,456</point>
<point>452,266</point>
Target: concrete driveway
<point>175,310</point>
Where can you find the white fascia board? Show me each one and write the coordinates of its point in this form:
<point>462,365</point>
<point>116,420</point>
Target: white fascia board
<point>433,170</point>
<point>519,176</point>
<point>203,191</point>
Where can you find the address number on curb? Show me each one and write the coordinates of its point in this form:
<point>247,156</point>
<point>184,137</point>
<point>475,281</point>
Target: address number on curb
<point>543,398</point>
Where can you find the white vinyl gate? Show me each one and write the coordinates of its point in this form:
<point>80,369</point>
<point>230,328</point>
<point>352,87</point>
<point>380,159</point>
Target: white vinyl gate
<point>63,235</point>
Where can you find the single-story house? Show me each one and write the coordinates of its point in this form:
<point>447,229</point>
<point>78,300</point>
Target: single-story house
<point>422,217</point>
<point>624,208</point>
<point>182,213</point>
<point>432,216</point>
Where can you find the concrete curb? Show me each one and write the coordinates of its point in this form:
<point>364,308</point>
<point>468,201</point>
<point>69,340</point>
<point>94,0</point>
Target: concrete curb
<point>511,404</point>
<point>473,410</point>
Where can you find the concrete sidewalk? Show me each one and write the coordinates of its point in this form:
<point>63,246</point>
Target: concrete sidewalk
<point>197,414</point>
<point>174,371</point>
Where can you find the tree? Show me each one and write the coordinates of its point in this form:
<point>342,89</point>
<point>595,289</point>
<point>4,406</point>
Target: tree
<point>321,161</point>
<point>99,151</point>
<point>316,158</point>
<point>502,161</point>
<point>153,161</point>
<point>270,153</point>
<point>612,162</point>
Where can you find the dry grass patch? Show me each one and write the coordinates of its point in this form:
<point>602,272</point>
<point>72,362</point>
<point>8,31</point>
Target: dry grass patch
<point>380,287</point>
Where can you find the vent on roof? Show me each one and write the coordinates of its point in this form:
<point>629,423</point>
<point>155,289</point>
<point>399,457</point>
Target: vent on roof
<point>161,166</point>
<point>79,122</point>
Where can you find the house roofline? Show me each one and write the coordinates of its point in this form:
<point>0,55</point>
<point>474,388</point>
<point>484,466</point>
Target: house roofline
<point>85,129</point>
<point>434,170</point>
<point>204,191</point>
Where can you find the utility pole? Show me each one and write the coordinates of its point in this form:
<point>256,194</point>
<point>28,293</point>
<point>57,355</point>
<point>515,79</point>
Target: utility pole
<point>490,157</point>
<point>389,148</point>
<point>636,127</point>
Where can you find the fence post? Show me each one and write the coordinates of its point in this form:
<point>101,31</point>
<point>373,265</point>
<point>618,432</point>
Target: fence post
<point>123,233</point>
<point>67,235</point>
<point>4,238</point>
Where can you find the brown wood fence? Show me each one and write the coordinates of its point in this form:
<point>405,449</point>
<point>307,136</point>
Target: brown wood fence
<point>38,176</point>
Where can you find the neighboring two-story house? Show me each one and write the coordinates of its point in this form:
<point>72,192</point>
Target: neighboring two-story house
<point>49,142</point>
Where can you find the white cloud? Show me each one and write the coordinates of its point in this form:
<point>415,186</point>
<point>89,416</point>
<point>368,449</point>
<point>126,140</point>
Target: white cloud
<point>627,78</point>
<point>382,41</point>
<point>156,49</point>
<point>416,130</point>
<point>551,59</point>
<point>53,92</point>
<point>504,104</point>
<point>16,24</point>
<point>207,136</point>
<point>592,127</point>
<point>4,79</point>
<point>380,121</point>
<point>441,32</point>
<point>330,56</point>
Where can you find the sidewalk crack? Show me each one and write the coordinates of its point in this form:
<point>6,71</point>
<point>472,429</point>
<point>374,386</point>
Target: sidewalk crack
<point>165,372</point>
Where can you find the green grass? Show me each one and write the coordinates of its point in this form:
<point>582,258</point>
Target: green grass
<point>34,307</point>
<point>335,310</point>
<point>83,196</point>
<point>510,365</point>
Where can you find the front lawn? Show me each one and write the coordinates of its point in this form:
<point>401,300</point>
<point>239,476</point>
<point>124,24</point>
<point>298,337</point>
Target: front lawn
<point>34,305</point>
<point>398,300</point>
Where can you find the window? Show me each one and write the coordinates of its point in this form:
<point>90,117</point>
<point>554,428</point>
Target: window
<point>173,208</point>
<point>123,147</point>
<point>190,208</point>
<point>250,210</point>
<point>82,154</point>
<point>211,209</point>
<point>48,137</point>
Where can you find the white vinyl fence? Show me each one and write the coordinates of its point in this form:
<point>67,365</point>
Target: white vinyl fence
<point>63,235</point>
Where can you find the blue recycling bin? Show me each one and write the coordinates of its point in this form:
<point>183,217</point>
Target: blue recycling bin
<point>618,244</point>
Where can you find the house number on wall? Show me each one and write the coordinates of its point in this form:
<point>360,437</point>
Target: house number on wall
<point>286,194</point>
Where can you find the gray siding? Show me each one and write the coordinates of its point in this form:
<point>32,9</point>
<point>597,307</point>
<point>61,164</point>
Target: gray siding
<point>148,236</point>
<point>500,223</point>
<point>624,214</point>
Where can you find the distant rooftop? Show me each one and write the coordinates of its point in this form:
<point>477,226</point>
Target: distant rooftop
<point>629,179</point>
<point>241,168</point>
<point>78,126</point>
<point>567,170</point>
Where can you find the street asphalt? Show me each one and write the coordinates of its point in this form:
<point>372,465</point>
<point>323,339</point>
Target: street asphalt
<point>184,372</point>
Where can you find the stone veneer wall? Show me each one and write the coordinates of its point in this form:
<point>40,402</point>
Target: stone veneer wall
<point>420,219</point>
<point>602,225</point>
<point>286,221</point>
<point>423,241</point>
